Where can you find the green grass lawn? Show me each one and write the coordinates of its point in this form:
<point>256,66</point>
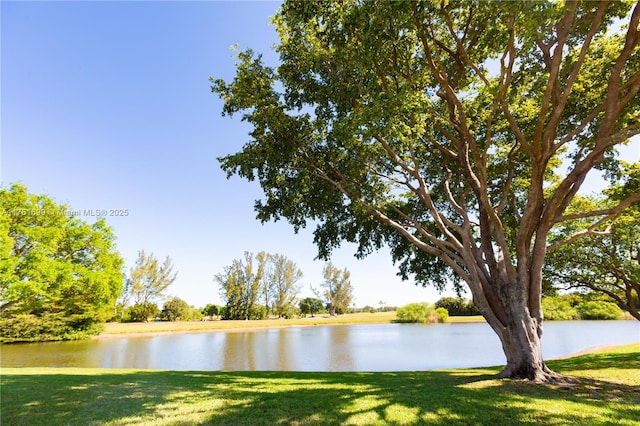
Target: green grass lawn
<point>607,392</point>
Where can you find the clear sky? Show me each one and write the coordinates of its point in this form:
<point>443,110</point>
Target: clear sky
<point>107,105</point>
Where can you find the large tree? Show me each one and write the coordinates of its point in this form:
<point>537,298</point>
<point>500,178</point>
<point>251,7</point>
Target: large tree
<point>457,133</point>
<point>59,276</point>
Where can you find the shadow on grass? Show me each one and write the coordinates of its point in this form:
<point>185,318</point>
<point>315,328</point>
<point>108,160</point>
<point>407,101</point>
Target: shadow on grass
<point>599,361</point>
<point>466,397</point>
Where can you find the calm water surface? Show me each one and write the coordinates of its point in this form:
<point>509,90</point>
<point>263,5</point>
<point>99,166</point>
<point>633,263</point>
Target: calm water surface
<point>365,347</point>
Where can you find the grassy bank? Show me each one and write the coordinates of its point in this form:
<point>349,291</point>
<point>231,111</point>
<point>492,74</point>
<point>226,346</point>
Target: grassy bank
<point>607,393</point>
<point>168,327</point>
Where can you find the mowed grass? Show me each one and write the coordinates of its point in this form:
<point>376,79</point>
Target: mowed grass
<point>607,392</point>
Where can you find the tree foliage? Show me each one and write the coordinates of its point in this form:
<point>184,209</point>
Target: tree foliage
<point>142,312</point>
<point>457,306</point>
<point>150,279</point>
<point>210,310</point>
<point>457,133</point>
<point>598,310</point>
<point>176,309</point>
<point>282,280</point>
<point>271,278</point>
<point>240,286</point>
<point>559,308</point>
<point>421,313</point>
<point>59,276</point>
<point>338,291</point>
<point>607,258</point>
<point>311,306</point>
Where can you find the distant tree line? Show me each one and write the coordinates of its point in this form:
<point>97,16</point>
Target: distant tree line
<point>62,278</point>
<point>265,285</point>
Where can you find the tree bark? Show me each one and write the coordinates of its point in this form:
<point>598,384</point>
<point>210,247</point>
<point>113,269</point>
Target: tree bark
<point>522,347</point>
<point>520,334</point>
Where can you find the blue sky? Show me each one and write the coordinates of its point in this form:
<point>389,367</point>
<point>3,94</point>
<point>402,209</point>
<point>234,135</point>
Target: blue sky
<point>107,105</point>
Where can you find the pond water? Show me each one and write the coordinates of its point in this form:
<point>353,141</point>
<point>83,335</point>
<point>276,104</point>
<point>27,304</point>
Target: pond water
<point>365,347</point>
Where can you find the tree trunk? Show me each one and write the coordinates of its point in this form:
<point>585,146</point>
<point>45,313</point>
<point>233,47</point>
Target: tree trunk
<point>520,333</point>
<point>522,347</point>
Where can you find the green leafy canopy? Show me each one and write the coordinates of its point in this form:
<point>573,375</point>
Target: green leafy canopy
<point>59,275</point>
<point>405,123</point>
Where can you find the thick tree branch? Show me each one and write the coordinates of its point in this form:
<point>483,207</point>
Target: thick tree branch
<point>607,213</point>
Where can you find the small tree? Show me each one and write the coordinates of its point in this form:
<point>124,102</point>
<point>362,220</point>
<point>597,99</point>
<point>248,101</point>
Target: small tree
<point>240,286</point>
<point>210,310</point>
<point>283,280</point>
<point>558,308</point>
<point>176,309</point>
<point>143,312</point>
<point>150,279</point>
<point>311,306</point>
<point>338,291</point>
<point>599,310</point>
<point>457,306</point>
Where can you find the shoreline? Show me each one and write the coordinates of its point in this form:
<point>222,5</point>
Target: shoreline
<point>592,350</point>
<point>211,330</point>
<point>114,330</point>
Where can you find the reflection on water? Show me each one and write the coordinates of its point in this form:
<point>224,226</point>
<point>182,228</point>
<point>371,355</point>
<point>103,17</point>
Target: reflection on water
<point>366,347</point>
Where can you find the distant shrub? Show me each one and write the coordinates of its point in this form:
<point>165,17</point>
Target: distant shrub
<point>457,306</point>
<point>194,314</point>
<point>599,311</point>
<point>210,310</point>
<point>442,315</point>
<point>291,312</point>
<point>143,312</point>
<point>175,309</point>
<point>421,313</point>
<point>32,328</point>
<point>558,309</point>
<point>258,312</point>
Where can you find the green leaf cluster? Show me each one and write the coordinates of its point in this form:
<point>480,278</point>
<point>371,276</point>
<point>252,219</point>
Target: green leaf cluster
<point>311,306</point>
<point>457,306</point>
<point>421,313</point>
<point>59,276</point>
<point>338,290</point>
<point>595,310</point>
<point>559,309</point>
<point>607,258</point>
<point>268,278</point>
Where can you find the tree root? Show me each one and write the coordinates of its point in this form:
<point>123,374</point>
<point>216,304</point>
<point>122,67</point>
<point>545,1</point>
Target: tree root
<point>538,376</point>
